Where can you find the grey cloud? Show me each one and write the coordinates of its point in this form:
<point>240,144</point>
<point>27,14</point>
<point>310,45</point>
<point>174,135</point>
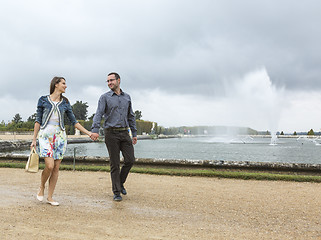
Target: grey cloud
<point>176,46</point>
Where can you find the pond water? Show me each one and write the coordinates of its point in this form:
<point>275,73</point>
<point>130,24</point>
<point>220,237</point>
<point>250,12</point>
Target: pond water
<point>286,150</point>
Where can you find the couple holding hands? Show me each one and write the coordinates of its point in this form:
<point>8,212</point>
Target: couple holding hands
<point>116,108</point>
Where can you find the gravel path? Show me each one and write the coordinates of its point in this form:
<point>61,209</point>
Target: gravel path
<point>158,207</point>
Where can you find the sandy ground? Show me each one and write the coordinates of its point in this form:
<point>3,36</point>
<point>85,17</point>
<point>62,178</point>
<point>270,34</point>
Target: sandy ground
<point>158,207</point>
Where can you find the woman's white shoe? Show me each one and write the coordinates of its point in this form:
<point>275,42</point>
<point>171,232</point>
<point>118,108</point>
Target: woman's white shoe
<point>53,203</point>
<point>40,198</point>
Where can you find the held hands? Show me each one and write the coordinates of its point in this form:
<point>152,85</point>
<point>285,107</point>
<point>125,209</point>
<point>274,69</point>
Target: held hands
<point>94,136</point>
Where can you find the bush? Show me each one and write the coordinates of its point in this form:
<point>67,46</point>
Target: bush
<point>143,126</point>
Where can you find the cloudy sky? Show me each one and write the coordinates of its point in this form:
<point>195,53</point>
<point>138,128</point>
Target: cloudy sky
<point>207,62</point>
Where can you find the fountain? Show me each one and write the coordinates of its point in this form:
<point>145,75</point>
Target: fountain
<point>309,140</point>
<point>256,102</point>
<point>274,139</point>
<point>317,141</point>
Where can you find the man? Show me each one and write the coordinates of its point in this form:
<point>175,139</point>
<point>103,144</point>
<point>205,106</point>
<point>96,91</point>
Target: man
<point>116,107</point>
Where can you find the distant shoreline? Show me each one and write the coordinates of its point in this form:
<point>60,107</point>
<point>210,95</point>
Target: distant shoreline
<point>28,136</point>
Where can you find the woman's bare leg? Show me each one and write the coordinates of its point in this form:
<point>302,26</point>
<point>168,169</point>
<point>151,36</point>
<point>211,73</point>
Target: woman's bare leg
<point>53,179</point>
<point>46,173</point>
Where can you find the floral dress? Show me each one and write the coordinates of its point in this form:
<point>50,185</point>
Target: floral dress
<point>52,140</point>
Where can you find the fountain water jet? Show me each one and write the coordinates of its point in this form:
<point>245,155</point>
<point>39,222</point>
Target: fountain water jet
<point>274,140</point>
<point>254,97</point>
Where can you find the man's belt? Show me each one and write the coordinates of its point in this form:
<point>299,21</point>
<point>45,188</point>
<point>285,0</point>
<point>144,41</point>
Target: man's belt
<point>117,129</point>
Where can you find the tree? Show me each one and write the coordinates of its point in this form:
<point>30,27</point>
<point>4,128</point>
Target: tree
<point>138,115</point>
<point>32,118</point>
<point>282,133</point>
<point>91,117</point>
<point>17,119</point>
<point>311,132</point>
<point>80,110</point>
<point>294,133</point>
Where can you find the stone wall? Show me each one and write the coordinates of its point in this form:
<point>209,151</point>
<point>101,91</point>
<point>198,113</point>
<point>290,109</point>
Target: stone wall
<point>14,144</point>
<point>299,167</point>
<point>8,145</point>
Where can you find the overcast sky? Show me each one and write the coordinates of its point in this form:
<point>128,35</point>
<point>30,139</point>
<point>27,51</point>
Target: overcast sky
<point>207,62</point>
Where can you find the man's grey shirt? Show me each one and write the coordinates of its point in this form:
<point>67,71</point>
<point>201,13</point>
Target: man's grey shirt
<point>117,112</point>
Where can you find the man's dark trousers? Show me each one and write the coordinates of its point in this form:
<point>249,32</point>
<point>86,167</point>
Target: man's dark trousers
<point>116,141</point>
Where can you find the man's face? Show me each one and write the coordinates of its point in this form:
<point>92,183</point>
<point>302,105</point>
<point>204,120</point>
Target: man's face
<point>113,83</point>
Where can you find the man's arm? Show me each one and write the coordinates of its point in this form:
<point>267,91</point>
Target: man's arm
<point>132,122</point>
<point>98,116</point>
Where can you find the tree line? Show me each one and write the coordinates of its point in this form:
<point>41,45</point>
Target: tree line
<point>143,126</point>
<point>80,110</point>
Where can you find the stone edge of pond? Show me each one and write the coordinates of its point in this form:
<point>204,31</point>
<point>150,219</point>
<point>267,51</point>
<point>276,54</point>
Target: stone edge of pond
<point>185,163</point>
<point>8,145</point>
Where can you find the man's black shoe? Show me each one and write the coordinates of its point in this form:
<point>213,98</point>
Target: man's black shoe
<point>123,190</point>
<point>117,197</point>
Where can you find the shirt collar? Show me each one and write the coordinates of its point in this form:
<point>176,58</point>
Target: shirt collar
<point>111,92</point>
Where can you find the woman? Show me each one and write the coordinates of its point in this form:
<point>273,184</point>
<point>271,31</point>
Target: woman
<point>52,136</point>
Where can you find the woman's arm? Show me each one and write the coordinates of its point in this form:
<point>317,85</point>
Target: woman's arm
<point>77,125</point>
<point>82,129</point>
<point>35,134</point>
<point>37,122</point>
<point>101,109</point>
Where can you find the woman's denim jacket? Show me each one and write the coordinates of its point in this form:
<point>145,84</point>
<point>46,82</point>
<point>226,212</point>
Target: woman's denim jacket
<point>46,107</point>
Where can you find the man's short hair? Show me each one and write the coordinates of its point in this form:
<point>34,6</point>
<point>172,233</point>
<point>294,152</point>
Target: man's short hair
<point>116,75</point>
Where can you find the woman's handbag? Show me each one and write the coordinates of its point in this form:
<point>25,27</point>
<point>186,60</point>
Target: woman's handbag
<point>33,161</point>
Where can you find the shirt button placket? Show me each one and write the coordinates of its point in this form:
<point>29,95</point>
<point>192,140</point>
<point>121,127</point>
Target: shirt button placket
<point>120,110</point>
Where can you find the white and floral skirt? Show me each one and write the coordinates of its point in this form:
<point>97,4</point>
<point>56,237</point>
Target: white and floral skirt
<point>52,142</point>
